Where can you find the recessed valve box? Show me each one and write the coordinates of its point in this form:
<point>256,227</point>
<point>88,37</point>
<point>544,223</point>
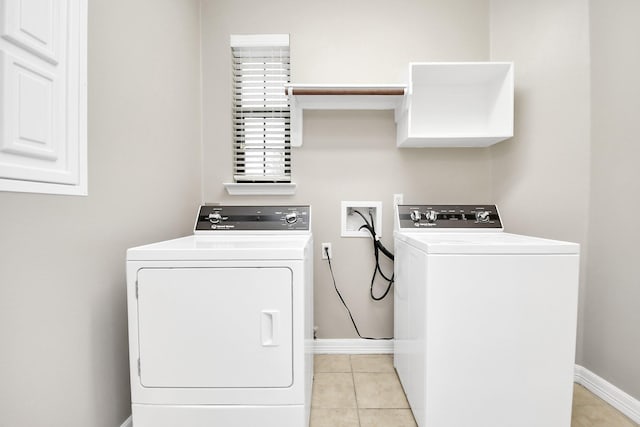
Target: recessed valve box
<point>354,214</point>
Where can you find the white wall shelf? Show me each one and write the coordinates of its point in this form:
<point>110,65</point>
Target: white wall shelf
<point>339,97</point>
<point>457,104</point>
<point>445,104</point>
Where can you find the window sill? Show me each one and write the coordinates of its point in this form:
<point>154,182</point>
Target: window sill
<point>260,189</point>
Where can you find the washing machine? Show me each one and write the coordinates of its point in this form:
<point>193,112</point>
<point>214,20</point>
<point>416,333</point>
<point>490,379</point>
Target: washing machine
<point>485,321</point>
<point>221,322</point>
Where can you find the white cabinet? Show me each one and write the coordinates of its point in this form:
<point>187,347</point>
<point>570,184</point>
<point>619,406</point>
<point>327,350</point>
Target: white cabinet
<point>462,104</point>
<point>43,96</point>
<point>444,104</point>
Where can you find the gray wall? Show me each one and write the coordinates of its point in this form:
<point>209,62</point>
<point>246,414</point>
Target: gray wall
<point>544,169</point>
<point>577,109</point>
<point>575,149</point>
<point>612,313</point>
<point>63,356</point>
<point>348,155</point>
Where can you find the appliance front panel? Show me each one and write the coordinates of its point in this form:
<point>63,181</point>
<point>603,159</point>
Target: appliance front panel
<point>499,339</point>
<point>215,327</point>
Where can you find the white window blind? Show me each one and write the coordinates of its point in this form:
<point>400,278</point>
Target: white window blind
<point>261,111</point>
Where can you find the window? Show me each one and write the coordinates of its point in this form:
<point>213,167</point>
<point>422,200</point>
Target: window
<point>261,111</point>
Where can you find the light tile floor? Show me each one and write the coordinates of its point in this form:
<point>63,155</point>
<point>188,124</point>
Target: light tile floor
<point>364,391</point>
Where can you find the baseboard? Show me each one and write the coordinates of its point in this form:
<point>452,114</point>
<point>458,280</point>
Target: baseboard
<point>127,423</point>
<point>352,346</point>
<point>608,392</point>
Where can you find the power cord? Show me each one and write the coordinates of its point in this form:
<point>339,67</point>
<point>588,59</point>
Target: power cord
<point>333,277</point>
<point>377,248</point>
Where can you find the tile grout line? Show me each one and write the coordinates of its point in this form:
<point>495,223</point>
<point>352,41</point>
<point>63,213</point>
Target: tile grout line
<point>369,370</point>
<point>355,394</point>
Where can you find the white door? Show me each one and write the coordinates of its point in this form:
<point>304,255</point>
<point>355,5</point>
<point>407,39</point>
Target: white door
<point>215,327</point>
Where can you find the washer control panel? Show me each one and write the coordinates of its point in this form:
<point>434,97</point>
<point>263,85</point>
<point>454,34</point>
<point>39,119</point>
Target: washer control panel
<point>212,218</point>
<point>411,217</point>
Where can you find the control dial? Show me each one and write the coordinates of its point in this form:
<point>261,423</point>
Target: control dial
<point>415,215</point>
<point>214,218</point>
<point>431,216</point>
<point>291,218</point>
<point>482,216</point>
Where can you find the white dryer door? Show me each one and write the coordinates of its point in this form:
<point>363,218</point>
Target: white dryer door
<point>215,327</point>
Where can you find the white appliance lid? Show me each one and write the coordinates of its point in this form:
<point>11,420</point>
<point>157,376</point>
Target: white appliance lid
<point>485,243</point>
<point>224,247</point>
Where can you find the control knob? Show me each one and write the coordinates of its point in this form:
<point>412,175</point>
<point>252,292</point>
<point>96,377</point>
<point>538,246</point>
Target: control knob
<point>291,218</point>
<point>214,218</point>
<point>431,216</point>
<point>415,215</point>
<point>482,216</point>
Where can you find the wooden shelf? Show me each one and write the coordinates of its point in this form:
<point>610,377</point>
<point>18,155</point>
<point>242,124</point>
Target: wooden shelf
<point>347,90</point>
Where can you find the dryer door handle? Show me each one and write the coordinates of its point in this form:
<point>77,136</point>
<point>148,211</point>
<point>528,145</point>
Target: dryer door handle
<point>270,326</point>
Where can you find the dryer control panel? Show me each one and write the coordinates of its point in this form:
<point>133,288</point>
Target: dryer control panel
<point>412,217</point>
<point>214,218</point>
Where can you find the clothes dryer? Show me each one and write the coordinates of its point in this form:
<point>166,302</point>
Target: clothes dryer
<point>485,321</point>
<point>221,322</point>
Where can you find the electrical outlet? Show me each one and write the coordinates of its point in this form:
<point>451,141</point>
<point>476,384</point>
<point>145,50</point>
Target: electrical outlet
<point>398,199</point>
<point>326,247</point>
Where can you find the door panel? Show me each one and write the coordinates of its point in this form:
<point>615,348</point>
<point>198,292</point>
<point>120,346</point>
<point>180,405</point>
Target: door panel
<point>43,96</point>
<point>34,25</point>
<point>215,327</point>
